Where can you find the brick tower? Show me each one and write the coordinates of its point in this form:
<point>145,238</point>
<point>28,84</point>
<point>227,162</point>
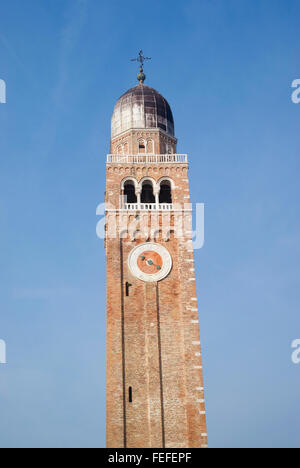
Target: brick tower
<point>154,385</point>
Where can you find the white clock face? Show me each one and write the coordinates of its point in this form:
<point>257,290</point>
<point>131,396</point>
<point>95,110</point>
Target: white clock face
<point>150,262</point>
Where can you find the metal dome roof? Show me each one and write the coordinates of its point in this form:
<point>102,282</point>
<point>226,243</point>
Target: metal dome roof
<point>142,107</point>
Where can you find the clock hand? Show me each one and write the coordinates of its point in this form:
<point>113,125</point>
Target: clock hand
<point>150,262</point>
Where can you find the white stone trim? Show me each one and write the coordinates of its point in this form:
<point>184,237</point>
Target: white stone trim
<point>129,179</point>
<point>168,179</point>
<point>147,158</point>
<point>161,250</point>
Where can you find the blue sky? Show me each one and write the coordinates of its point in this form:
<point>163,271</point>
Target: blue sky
<point>226,68</point>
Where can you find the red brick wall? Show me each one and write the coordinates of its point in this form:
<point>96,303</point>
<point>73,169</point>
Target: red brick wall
<point>153,342</point>
<point>129,141</point>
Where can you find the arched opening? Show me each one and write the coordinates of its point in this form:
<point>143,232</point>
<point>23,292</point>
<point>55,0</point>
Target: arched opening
<point>142,147</point>
<point>147,195</point>
<point>150,147</point>
<point>129,192</point>
<point>165,194</point>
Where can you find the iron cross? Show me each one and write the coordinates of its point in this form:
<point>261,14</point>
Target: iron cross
<point>141,58</point>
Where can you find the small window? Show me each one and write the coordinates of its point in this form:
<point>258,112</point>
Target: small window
<point>120,149</point>
<point>130,394</point>
<point>150,149</point>
<point>142,147</point>
<point>128,285</point>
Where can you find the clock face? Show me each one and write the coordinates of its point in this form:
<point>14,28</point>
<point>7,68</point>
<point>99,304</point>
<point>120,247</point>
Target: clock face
<point>150,262</point>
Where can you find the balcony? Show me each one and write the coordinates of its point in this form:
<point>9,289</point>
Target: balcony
<point>153,207</point>
<point>149,206</point>
<point>147,158</point>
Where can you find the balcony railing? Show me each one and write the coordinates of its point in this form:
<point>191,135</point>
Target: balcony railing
<point>149,206</point>
<point>154,207</point>
<point>147,158</point>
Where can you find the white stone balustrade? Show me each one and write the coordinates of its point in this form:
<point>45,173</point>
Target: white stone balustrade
<point>147,158</point>
<point>149,206</point>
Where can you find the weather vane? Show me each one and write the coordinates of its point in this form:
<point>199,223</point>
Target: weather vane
<point>141,59</point>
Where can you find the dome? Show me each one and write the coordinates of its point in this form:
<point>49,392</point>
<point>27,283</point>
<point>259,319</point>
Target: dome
<point>142,107</point>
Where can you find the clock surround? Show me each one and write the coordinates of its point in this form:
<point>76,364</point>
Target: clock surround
<point>150,262</point>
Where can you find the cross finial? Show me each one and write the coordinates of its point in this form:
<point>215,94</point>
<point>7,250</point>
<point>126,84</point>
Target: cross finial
<point>141,59</point>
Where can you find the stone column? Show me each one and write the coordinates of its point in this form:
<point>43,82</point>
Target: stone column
<point>138,195</point>
<point>156,194</point>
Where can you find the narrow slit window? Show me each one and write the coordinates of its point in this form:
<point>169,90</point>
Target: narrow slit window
<point>130,394</point>
<point>128,285</point>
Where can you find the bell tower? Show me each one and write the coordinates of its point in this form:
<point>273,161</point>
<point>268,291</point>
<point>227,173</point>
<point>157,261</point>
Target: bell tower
<point>154,386</point>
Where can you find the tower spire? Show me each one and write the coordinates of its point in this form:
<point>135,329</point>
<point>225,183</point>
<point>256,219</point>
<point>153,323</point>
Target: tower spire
<point>141,59</point>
